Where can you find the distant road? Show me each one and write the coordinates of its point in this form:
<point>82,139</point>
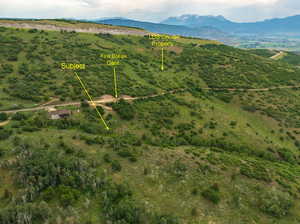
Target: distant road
<point>94,28</point>
<point>98,101</point>
<point>279,55</point>
<point>253,90</point>
<point>101,102</point>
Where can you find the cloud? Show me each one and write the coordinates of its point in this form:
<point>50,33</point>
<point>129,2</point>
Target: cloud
<point>145,9</point>
<point>255,12</point>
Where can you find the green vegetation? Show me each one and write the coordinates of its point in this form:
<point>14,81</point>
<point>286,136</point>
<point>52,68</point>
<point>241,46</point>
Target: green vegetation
<point>289,57</point>
<point>192,156</point>
<point>263,52</point>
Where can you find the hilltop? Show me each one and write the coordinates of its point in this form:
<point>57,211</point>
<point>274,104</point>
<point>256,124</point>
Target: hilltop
<point>213,138</point>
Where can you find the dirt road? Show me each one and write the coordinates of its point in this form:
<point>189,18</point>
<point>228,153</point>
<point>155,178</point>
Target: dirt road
<point>114,30</point>
<point>252,90</point>
<point>102,102</point>
<point>279,55</point>
<point>4,123</point>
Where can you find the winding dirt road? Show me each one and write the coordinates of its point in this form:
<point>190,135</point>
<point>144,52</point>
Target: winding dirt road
<point>102,102</point>
<point>97,101</point>
<point>278,56</point>
<point>252,90</point>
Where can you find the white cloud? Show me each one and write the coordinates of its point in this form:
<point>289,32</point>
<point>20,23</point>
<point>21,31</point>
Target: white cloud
<point>137,9</point>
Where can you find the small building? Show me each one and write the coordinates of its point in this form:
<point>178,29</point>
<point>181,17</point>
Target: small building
<point>60,114</point>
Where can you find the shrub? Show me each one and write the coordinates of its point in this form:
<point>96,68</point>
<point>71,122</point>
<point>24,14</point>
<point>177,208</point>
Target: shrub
<point>124,109</point>
<point>133,159</point>
<point>275,203</point>
<point>116,166</point>
<point>84,104</point>
<point>127,211</point>
<point>107,158</point>
<point>287,155</point>
<point>256,171</point>
<point>6,69</point>
<point>194,212</point>
<point>3,117</point>
<point>4,134</point>
<point>19,116</point>
<point>233,123</point>
<point>212,194</point>
<point>165,219</point>
<point>32,31</point>
<point>125,153</point>
<point>101,110</point>
<point>249,108</point>
<point>67,195</point>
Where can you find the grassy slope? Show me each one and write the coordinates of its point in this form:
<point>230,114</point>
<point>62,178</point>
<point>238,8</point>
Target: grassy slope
<point>173,138</point>
<point>289,57</point>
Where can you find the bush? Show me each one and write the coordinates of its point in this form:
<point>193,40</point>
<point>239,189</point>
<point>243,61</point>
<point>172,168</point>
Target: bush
<point>212,194</point>
<point>25,213</point>
<point>3,117</point>
<point>124,109</point>
<point>249,108</point>
<point>32,31</point>
<point>107,158</point>
<point>19,116</point>
<point>84,104</point>
<point>116,166</point>
<point>67,195</point>
<point>256,171</point>
<point>275,203</point>
<point>5,134</point>
<point>166,219</point>
<point>101,110</point>
<point>287,155</point>
<point>127,211</point>
<point>6,69</point>
<point>119,205</point>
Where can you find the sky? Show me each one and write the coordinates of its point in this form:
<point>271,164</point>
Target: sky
<point>149,10</point>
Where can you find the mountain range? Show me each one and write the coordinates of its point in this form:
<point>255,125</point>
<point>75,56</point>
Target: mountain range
<point>283,25</point>
<point>215,27</point>
<point>206,32</point>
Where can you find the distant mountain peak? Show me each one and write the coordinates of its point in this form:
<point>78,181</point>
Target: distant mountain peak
<point>289,24</point>
<point>195,16</point>
<point>195,20</point>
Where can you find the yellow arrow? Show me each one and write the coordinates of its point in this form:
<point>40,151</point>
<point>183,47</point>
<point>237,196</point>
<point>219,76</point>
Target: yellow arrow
<point>162,59</point>
<point>115,81</point>
<point>93,103</point>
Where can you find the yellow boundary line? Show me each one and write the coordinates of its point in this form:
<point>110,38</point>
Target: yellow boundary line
<point>93,103</point>
<point>162,59</point>
<point>115,81</point>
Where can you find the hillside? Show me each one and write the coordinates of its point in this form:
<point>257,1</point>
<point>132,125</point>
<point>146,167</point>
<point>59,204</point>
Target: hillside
<point>213,138</point>
<point>289,57</point>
